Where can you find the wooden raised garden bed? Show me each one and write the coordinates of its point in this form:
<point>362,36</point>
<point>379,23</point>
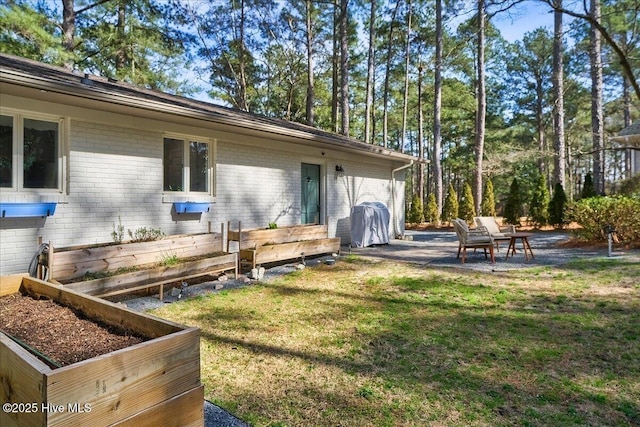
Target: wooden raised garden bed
<point>261,246</point>
<point>154,382</point>
<point>194,255</point>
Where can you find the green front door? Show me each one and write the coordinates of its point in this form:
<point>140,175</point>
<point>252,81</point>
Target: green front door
<point>310,194</point>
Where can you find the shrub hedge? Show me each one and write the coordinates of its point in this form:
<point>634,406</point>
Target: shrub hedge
<point>595,213</point>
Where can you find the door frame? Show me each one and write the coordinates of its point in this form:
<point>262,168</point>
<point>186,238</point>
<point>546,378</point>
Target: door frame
<point>322,198</point>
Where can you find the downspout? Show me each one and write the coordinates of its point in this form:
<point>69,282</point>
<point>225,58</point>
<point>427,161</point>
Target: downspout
<point>396,226</point>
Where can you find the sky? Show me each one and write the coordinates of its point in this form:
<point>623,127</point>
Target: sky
<point>528,16</point>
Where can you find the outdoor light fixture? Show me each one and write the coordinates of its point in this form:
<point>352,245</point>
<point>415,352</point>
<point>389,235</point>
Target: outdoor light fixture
<point>339,170</point>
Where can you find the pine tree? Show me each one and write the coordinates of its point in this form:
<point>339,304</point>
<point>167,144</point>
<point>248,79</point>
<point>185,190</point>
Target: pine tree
<point>431,210</point>
<point>588,189</point>
<point>538,208</point>
<point>416,214</point>
<point>556,206</point>
<point>30,31</point>
<point>513,206</point>
<point>467,206</point>
<point>450,208</point>
<point>488,200</point>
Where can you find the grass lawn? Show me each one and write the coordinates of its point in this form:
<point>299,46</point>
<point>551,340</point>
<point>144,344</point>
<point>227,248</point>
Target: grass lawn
<point>367,343</point>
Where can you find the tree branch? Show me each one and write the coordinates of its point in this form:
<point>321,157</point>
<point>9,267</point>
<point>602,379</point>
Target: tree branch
<point>91,6</point>
<point>624,62</point>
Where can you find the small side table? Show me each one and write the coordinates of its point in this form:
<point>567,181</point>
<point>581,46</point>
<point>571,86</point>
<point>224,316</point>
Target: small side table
<point>524,238</point>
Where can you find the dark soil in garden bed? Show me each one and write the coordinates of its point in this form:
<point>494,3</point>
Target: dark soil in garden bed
<point>58,332</point>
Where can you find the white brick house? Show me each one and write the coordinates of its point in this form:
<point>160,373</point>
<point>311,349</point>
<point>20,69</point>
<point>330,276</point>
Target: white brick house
<point>107,152</point>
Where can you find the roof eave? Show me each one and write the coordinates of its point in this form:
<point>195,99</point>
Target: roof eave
<point>11,76</point>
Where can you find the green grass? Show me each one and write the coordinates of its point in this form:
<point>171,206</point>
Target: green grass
<point>388,344</point>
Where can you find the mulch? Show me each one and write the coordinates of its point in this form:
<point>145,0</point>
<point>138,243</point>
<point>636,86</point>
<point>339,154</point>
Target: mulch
<point>58,332</point>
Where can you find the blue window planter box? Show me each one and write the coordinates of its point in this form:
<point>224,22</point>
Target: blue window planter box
<point>190,207</point>
<point>27,210</point>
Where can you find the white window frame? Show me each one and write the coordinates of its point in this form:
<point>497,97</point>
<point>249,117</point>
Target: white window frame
<point>186,194</point>
<point>17,175</point>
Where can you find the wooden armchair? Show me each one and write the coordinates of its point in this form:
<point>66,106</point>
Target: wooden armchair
<point>497,232</point>
<point>476,238</point>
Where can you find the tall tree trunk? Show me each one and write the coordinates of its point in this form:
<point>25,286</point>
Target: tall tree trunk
<point>344,68</point>
<point>405,103</point>
<point>334,64</point>
<point>481,108</point>
<point>385,94</point>
<point>558,109</point>
<point>437,113</point>
<point>310,82</point>
<point>626,99</point>
<point>68,29</point>
<point>596,25</point>
<point>597,115</point>
<point>121,54</point>
<point>370,73</point>
<point>540,121</point>
<point>420,138</point>
<point>242,89</point>
<point>626,96</point>
<point>69,16</point>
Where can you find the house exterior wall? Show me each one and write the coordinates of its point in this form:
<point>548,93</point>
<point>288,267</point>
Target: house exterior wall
<point>114,174</point>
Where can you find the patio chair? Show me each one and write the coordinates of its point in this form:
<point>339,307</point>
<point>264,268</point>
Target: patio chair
<point>476,238</point>
<point>498,233</point>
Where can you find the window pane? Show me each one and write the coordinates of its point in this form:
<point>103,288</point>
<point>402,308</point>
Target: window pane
<point>40,154</point>
<point>173,163</point>
<point>199,166</point>
<point>6,151</point>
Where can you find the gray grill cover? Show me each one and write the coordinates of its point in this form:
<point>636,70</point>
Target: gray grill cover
<point>369,224</point>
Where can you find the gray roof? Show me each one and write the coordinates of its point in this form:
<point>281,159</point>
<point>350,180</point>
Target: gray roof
<point>33,74</point>
<point>634,129</point>
<point>629,135</point>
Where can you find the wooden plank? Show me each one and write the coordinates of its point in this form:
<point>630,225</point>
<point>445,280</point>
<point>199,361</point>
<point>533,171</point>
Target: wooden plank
<point>74,264</point>
<point>150,285</point>
<point>77,262</point>
<point>200,267</point>
<point>22,380</point>
<point>11,284</point>
<point>284,251</point>
<point>185,410</point>
<point>127,381</point>
<point>259,237</point>
<point>180,238</point>
<point>100,310</point>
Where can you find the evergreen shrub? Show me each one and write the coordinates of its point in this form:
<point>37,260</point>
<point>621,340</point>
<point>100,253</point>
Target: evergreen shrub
<point>557,207</point>
<point>513,206</point>
<point>539,206</point>
<point>431,210</point>
<point>415,214</point>
<point>467,209</point>
<point>588,189</point>
<point>450,208</point>
<point>488,206</point>
<point>595,213</point>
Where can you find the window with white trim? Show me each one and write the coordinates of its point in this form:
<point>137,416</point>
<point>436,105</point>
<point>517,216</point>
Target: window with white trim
<point>30,152</point>
<point>187,166</point>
